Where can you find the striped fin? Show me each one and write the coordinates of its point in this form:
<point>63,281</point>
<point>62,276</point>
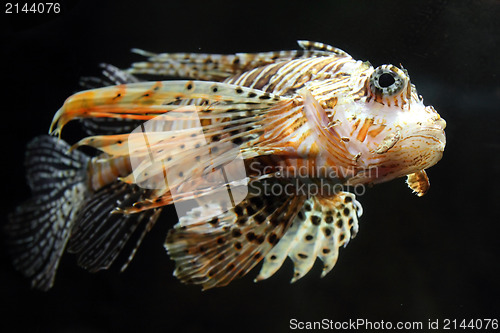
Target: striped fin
<point>321,227</point>
<point>102,233</point>
<point>213,252</point>
<point>218,67</point>
<point>111,76</point>
<point>109,126</point>
<point>39,229</point>
<point>321,47</point>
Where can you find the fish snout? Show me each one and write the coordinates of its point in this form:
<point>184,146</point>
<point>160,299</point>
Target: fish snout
<point>440,122</point>
<point>435,117</point>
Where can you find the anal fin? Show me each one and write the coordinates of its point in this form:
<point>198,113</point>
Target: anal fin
<point>102,232</point>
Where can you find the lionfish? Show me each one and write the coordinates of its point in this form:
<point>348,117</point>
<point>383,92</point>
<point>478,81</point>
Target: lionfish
<point>316,109</point>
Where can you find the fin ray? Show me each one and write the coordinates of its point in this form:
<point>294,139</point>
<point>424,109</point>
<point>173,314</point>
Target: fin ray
<point>39,229</point>
<point>321,227</point>
<point>214,252</point>
<point>101,233</point>
<point>218,67</point>
<point>145,100</point>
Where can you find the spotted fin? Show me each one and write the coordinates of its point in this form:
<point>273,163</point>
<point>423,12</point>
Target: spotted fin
<point>38,230</point>
<point>111,76</point>
<point>321,227</point>
<point>213,252</point>
<point>186,140</point>
<point>218,67</point>
<point>146,100</point>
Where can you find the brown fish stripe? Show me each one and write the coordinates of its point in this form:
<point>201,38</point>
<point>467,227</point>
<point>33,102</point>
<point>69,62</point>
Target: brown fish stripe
<point>355,126</point>
<point>264,80</point>
<point>288,71</point>
<point>304,73</point>
<point>249,78</point>
<point>364,129</point>
<point>374,132</point>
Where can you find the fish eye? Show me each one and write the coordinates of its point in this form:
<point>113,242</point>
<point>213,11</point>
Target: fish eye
<point>387,80</point>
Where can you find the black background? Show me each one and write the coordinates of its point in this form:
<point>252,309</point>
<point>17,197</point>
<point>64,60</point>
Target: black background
<point>414,259</point>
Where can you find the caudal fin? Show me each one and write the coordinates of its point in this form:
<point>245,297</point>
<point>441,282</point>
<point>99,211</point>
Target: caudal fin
<point>38,230</point>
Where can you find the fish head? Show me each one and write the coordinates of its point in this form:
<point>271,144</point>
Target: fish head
<point>390,130</point>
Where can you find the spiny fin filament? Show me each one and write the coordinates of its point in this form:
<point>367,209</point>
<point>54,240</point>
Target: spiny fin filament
<point>212,252</point>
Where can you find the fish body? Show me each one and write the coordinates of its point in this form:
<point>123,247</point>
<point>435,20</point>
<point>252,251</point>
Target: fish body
<point>313,118</point>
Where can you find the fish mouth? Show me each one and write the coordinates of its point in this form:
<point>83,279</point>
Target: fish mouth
<point>439,135</point>
<point>433,135</point>
<point>423,146</point>
<point>441,123</point>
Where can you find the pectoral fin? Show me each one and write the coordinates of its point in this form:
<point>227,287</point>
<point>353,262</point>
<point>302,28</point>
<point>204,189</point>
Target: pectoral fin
<point>321,227</point>
<point>418,182</point>
<point>211,251</point>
